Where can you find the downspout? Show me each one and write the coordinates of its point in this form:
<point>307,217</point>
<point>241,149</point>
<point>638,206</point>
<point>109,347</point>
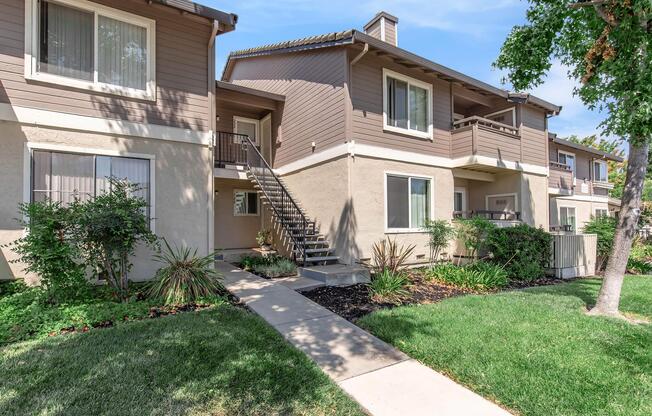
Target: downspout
<point>349,130</point>
<point>210,241</point>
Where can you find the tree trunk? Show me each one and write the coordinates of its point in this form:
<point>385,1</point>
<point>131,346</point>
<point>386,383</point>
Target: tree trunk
<point>630,211</point>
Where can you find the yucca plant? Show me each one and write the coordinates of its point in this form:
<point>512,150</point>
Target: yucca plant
<point>185,277</point>
<point>389,287</point>
<point>387,255</point>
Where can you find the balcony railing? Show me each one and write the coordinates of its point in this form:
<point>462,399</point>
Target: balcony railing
<point>231,149</point>
<point>489,215</point>
<point>561,228</point>
<point>483,137</point>
<point>561,176</point>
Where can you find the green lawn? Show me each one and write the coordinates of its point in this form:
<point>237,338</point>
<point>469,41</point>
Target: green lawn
<point>535,351</point>
<point>218,362</point>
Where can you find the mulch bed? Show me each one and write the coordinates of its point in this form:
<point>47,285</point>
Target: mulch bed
<point>354,302</point>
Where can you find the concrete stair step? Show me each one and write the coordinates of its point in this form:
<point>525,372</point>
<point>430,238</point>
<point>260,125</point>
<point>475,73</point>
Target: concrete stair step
<point>336,274</point>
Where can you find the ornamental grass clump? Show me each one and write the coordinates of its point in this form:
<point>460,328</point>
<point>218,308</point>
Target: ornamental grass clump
<point>389,287</point>
<point>475,276</point>
<point>185,277</point>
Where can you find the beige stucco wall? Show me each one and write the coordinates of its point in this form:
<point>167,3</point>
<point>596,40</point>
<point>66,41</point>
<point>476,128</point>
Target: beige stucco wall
<point>233,231</point>
<point>182,194</point>
<point>534,200</point>
<point>346,197</point>
<point>368,186</point>
<point>584,210</point>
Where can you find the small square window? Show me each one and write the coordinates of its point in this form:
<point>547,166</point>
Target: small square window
<point>245,203</point>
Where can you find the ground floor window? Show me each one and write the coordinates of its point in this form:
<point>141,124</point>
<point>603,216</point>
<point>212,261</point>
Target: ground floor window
<point>567,217</point>
<point>459,200</point>
<point>64,177</point>
<point>407,202</point>
<point>601,212</point>
<point>245,203</point>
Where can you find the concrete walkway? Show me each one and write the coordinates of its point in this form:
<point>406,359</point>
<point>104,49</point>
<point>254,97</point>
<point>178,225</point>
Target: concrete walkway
<point>382,379</point>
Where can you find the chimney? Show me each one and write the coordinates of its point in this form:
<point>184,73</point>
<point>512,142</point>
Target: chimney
<point>383,26</point>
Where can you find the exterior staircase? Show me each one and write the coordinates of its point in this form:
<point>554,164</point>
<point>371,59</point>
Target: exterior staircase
<point>309,246</point>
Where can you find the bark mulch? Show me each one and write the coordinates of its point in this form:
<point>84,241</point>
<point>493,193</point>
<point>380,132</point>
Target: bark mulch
<point>354,302</point>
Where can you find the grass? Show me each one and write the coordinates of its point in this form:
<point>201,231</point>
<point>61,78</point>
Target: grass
<point>222,361</point>
<point>534,350</point>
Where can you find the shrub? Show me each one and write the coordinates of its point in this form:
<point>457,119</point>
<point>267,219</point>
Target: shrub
<point>262,237</point>
<point>109,228</point>
<point>185,277</point>
<point>387,255</point>
<point>440,233</point>
<point>48,250</point>
<point>640,258</point>
<point>477,276</point>
<point>605,229</point>
<point>279,267</point>
<point>248,262</point>
<point>523,251</point>
<point>9,287</point>
<point>388,287</point>
<point>473,232</point>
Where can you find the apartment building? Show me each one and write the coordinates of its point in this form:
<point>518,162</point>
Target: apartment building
<point>90,89</point>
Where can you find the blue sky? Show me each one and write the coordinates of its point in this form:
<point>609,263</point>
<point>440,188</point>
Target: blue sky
<point>465,35</point>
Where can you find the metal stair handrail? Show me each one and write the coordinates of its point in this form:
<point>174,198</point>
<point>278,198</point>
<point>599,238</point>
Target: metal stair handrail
<point>286,200</point>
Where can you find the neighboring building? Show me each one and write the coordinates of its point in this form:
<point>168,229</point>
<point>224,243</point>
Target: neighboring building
<point>578,184</point>
<point>372,140</point>
<point>111,87</point>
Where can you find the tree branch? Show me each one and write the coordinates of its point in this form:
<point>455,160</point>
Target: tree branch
<point>598,6</point>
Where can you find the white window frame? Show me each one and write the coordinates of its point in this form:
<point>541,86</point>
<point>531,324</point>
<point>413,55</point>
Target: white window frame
<point>460,190</point>
<point>410,229</point>
<point>27,169</point>
<point>574,170</point>
<point>246,191</point>
<point>416,83</point>
<point>255,122</point>
<point>606,170</point>
<point>514,194</point>
<point>32,50</point>
<point>595,212</point>
<point>507,110</point>
<point>567,207</point>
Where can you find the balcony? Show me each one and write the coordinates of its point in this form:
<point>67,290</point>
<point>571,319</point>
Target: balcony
<point>231,149</point>
<point>499,218</point>
<point>561,178</point>
<point>478,136</point>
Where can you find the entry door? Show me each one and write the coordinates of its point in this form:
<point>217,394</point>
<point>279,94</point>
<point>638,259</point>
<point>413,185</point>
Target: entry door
<point>266,136</point>
<point>247,127</point>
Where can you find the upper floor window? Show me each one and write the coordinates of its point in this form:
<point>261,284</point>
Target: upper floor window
<point>86,45</point>
<point>567,159</point>
<point>407,105</point>
<point>600,171</point>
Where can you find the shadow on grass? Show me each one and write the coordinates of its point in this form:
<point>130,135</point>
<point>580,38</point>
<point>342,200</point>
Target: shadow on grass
<point>217,362</point>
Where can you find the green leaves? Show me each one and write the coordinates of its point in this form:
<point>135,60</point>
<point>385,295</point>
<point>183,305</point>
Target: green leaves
<point>608,48</point>
<point>440,232</point>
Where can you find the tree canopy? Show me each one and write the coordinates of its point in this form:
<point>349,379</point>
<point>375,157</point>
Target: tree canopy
<point>587,40</point>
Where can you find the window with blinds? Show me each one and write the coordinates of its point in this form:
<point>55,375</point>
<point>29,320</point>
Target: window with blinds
<point>84,44</point>
<point>64,177</point>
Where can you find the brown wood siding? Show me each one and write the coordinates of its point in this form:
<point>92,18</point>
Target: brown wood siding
<point>462,142</point>
<point>583,162</point>
<point>313,84</point>
<point>492,143</point>
<point>562,179</point>
<point>390,32</point>
<point>374,30</point>
<point>181,72</point>
<point>367,98</point>
<point>533,136</point>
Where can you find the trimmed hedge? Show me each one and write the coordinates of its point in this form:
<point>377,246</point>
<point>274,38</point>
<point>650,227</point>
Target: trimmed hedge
<point>523,251</point>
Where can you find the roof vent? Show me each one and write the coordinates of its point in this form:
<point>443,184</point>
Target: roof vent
<point>383,26</point>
